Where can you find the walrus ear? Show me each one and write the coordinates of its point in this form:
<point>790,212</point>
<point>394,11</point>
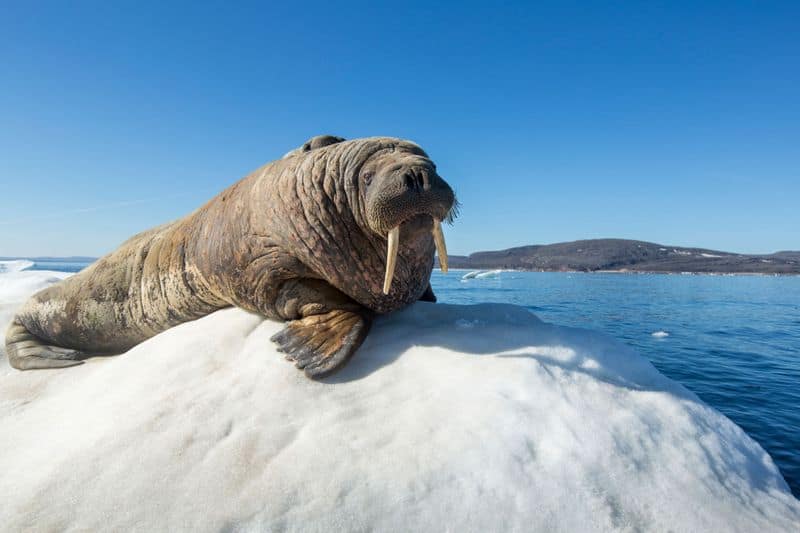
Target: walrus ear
<point>320,141</point>
<point>321,344</point>
<point>313,143</point>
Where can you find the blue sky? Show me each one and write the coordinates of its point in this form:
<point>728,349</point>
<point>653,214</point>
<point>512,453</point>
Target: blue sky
<point>676,122</point>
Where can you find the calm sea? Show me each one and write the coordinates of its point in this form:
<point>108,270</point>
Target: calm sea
<point>59,266</point>
<point>733,340</point>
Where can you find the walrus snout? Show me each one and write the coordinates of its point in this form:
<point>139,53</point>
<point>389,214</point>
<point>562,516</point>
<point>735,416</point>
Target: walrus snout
<point>407,192</point>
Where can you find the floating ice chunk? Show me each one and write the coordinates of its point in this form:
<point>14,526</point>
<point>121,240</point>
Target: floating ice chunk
<point>16,265</point>
<point>18,285</point>
<point>660,334</point>
<point>470,275</point>
<point>480,274</point>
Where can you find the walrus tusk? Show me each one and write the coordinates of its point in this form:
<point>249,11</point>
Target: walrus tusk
<point>441,247</point>
<point>391,258</point>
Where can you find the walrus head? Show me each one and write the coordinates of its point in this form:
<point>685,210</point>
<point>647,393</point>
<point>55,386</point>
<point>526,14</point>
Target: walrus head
<point>366,216</point>
<point>402,189</point>
<point>345,230</point>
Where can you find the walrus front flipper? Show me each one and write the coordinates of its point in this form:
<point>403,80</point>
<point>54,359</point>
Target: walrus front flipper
<point>25,351</point>
<point>320,344</point>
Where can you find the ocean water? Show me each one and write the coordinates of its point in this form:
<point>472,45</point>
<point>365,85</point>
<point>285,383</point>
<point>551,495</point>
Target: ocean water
<point>732,340</point>
<point>59,266</point>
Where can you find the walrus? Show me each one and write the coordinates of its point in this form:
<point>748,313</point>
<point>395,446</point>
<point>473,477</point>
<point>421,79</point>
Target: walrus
<point>325,238</point>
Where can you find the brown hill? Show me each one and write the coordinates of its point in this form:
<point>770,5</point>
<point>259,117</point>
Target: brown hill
<point>627,255</point>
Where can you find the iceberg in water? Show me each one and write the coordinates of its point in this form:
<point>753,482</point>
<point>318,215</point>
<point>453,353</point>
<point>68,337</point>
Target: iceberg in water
<point>17,284</point>
<point>480,274</point>
<point>489,274</point>
<point>510,424</point>
<point>16,265</point>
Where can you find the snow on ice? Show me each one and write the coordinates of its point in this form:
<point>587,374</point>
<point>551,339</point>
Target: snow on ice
<point>509,424</point>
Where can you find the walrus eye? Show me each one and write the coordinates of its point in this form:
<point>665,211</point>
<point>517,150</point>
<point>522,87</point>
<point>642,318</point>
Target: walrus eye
<point>367,177</point>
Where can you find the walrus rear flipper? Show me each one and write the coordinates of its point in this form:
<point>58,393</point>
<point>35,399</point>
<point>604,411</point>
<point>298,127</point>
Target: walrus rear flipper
<point>27,352</point>
<point>320,344</point>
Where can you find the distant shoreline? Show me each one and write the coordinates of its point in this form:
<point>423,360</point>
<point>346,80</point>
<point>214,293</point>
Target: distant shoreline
<point>628,256</point>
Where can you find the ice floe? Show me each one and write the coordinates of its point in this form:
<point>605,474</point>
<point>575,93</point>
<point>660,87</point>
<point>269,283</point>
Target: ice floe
<point>460,418</point>
<point>481,274</point>
<point>15,265</point>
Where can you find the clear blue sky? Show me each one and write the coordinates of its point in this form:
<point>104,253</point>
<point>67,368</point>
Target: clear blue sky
<point>677,123</point>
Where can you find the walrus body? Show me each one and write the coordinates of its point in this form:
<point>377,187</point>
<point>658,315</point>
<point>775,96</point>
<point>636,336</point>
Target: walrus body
<point>301,239</point>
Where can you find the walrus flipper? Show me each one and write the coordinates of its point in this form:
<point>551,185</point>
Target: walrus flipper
<point>321,344</point>
<point>25,351</point>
